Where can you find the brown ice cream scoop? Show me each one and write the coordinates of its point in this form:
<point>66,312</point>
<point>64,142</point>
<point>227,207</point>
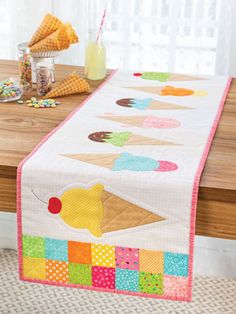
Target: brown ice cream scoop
<point>125,102</point>
<point>99,136</point>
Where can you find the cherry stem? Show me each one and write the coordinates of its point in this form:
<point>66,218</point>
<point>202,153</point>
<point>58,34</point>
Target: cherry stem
<point>38,197</point>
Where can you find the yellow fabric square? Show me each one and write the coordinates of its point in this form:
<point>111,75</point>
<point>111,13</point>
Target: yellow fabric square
<point>34,268</point>
<point>151,261</point>
<point>103,255</point>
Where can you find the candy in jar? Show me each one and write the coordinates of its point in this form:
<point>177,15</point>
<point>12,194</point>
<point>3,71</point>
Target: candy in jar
<point>25,64</point>
<point>44,75</point>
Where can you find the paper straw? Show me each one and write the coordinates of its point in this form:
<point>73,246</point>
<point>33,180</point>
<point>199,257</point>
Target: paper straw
<point>101,25</point>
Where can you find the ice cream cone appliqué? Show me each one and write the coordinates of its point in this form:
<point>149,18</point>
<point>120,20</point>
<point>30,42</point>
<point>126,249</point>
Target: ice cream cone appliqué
<point>144,121</point>
<point>125,161</point>
<point>99,211</point>
<point>169,91</point>
<point>166,77</point>
<point>121,139</point>
<point>148,104</point>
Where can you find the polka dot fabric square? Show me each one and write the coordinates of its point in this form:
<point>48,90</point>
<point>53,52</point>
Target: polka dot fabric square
<point>151,283</point>
<point>79,252</point>
<point>103,255</point>
<point>34,268</point>
<point>176,264</point>
<point>33,246</point>
<point>127,280</point>
<point>57,271</point>
<point>56,249</point>
<point>127,258</point>
<point>80,274</point>
<point>151,261</point>
<point>103,277</point>
<point>176,286</point>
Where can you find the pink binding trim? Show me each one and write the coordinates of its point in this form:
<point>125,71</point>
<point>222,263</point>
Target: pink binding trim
<point>196,188</point>
<point>193,209</point>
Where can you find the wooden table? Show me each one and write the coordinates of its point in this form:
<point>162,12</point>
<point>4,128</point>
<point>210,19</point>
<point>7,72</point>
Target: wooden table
<point>21,128</point>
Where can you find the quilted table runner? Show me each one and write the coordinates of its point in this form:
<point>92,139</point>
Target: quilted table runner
<point>107,201</point>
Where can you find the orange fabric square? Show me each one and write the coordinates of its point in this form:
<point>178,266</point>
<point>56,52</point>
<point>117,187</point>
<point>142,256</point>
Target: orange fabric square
<point>34,268</point>
<point>151,261</point>
<point>79,252</point>
<point>57,271</point>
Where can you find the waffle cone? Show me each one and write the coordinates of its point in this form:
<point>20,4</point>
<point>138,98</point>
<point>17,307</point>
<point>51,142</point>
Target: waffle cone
<point>144,140</point>
<point>159,105</point>
<point>57,41</point>
<point>71,34</point>
<point>134,120</point>
<point>48,26</point>
<point>120,214</point>
<point>102,160</point>
<point>73,84</point>
<point>184,77</point>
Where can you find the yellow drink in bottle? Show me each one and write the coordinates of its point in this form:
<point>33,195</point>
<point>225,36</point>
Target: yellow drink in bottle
<point>95,61</point>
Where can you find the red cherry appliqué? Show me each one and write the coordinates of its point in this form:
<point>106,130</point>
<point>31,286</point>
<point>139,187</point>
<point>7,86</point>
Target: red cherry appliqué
<point>137,74</point>
<point>54,205</point>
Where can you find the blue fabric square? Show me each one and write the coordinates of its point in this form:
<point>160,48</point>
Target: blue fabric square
<point>56,249</point>
<point>175,264</point>
<point>127,280</point>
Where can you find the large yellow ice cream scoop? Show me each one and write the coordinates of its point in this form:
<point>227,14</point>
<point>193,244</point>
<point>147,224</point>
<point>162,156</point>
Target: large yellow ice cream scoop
<point>80,208</point>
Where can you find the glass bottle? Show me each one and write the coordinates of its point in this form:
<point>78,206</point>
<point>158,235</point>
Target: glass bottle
<point>25,63</point>
<point>95,58</point>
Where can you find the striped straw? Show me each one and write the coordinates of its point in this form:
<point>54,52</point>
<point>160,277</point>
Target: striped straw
<point>101,25</point>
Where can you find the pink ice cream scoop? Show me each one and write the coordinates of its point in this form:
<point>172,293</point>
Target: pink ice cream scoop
<point>160,123</point>
<point>165,166</point>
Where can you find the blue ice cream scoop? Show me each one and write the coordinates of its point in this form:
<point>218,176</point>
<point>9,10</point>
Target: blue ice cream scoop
<point>131,162</point>
<point>141,104</point>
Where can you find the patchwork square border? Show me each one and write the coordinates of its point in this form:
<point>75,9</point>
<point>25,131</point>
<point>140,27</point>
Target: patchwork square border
<point>105,267</point>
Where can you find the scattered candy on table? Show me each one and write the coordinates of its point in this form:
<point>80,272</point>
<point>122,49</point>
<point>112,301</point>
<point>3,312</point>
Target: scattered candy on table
<point>42,103</point>
<point>10,90</point>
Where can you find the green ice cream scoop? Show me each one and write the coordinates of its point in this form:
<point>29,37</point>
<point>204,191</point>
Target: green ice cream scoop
<point>155,76</point>
<point>118,138</point>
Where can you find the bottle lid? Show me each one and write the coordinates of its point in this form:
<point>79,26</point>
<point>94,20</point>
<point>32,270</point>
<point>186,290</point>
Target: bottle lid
<point>44,66</point>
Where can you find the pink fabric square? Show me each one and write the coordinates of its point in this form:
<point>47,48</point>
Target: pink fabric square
<point>127,258</point>
<point>103,277</point>
<point>176,286</point>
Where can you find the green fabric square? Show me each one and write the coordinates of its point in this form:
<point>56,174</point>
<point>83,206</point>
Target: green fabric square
<point>80,274</point>
<point>151,283</point>
<point>33,246</point>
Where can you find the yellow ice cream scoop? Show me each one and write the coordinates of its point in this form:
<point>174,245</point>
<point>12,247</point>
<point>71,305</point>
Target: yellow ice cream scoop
<point>80,208</point>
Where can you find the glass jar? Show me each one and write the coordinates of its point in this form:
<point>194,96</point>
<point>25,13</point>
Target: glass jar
<point>49,62</point>
<point>44,78</point>
<point>24,58</point>
<point>95,58</point>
